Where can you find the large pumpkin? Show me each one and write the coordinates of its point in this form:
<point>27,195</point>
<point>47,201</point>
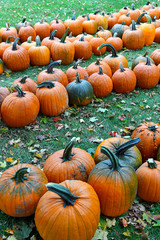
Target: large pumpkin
<point>69,163</point>
<point>115,184</point>
<point>21,187</point>
<point>149,133</point>
<point>149,181</point>
<point>68,211</point>
<point>125,150</point>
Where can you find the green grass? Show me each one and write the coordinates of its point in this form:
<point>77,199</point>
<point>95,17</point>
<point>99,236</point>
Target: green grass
<point>44,138</point>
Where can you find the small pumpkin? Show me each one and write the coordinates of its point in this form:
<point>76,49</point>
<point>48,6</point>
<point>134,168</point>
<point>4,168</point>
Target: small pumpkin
<point>5,45</point>
<point>42,29</point>
<point>119,29</point>
<point>73,201</point>
<point>26,84</point>
<point>94,67</point>
<point>149,133</point>
<point>20,108</point>
<point>71,38</point>
<point>9,31</point>
<point>112,20</point>
<point>155,56</point>
<point>87,37</point>
<point>21,187</point>
<point>20,24</point>
<point>116,42</point>
<point>134,13</point>
<point>139,59</point>
<point>115,184</point>
<point>80,92</point>
<point>105,34</point>
<point>83,49</point>
<point>59,27</point>
<point>97,42</point>
<point>89,26</point>
<point>125,18</point>
<point>25,32</point>
<point>68,164</point>
<point>28,44</point>
<point>157,35</point>
<point>47,41</point>
<point>149,181</point>
<point>74,25</point>
<point>53,98</point>
<point>148,31</point>
<point>124,10</point>
<point>71,72</point>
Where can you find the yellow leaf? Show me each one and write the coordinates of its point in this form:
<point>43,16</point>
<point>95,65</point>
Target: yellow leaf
<point>16,145</point>
<point>37,155</point>
<point>11,153</point>
<point>7,74</point>
<point>90,129</point>
<point>10,159</point>
<point>127,233</point>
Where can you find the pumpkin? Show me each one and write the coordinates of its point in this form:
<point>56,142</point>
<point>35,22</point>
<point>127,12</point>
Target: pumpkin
<point>39,55</point>
<point>148,30</point>
<point>21,187</point>
<point>82,18</point>
<point>22,23</point>
<point>124,80</point>
<point>9,32</point>
<point>52,73</point>
<point>125,18</point>
<point>26,84</point>
<point>54,20</point>
<point>133,38</point>
<point>89,26</point>
<point>95,43</point>
<point>53,98</point>
<point>28,44</point>
<point>25,32</point>
<point>112,20</point>
<point>42,29</point>
<point>94,67</point>
<point>94,15</point>
<point>115,184</point>
<point>4,92</point>
<point>73,201</point>
<point>125,150</point>
<point>134,13</point>
<point>147,6</point>
<point>74,25</point>
<point>1,66</point>
<point>139,59</point>
<point>124,10</point>
<point>104,33</point>
<point>114,59</point>
<point>153,11</point>
<point>101,83</point>
<point>155,56</point>
<point>47,41</point>
<point>149,133</point>
<point>149,181</point>
<point>87,37</point>
<point>71,72</point>
<point>119,29</point>
<point>59,27</point>
<point>101,20</point>
<point>71,38</point>
<point>60,49</point>
<point>80,92</point>
<point>155,22</point>
<point>83,49</point>
<point>68,164</point>
<point>5,45</point>
<point>16,57</point>
<point>147,74</point>
<point>20,109</point>
<point>116,42</point>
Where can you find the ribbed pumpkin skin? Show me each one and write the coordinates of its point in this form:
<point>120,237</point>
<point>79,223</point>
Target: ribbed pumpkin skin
<point>78,168</point>
<point>149,33</point>
<point>60,27</point>
<point>75,26</point>
<point>150,140</point>
<point>17,60</point>
<point>113,62</point>
<point>42,29</point>
<point>53,101</point>
<point>133,39</point>
<point>29,85</point>
<point>83,49</point>
<point>54,221</point>
<point>20,111</point>
<point>57,75</point>
<point>28,45</point>
<point>155,55</point>
<point>90,26</point>
<point>20,200</point>
<point>3,47</point>
<point>149,182</point>
<point>94,67</point>
<point>116,42</point>
<point>132,156</point>
<point>71,73</point>
<point>4,92</point>
<point>26,32</point>
<point>39,56</point>
<point>116,190</point>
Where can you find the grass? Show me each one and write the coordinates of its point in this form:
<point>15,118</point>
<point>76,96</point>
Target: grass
<point>113,114</point>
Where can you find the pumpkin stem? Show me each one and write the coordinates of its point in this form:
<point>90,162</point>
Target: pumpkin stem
<point>57,18</point>
<point>82,38</point>
<point>97,62</point>
<point>100,71</point>
<point>114,53</point>
<point>20,175</point>
<point>48,84</point>
<point>113,158</point>
<point>38,41</point>
<point>139,18</point>
<point>42,20</point>
<point>121,67</point>
<point>148,3</point>
<point>153,128</point>
<point>8,39</point>
<point>23,80</point>
<point>67,155</point>
<point>154,18</point>
<point>52,35</point>
<point>146,53</point>
<point>29,39</point>
<point>133,26</point>
<point>14,46</point>
<point>151,163</point>
<point>125,146</point>
<point>97,11</point>
<point>148,18</point>
<point>20,92</point>
<point>70,35</point>
<point>74,16</point>
<point>127,14</point>
<point>51,66</point>
<point>101,28</point>
<point>148,62</point>
<point>78,80</point>
<point>88,17</point>
<point>133,8</point>
<point>66,195</point>
<point>76,63</point>
<point>64,36</point>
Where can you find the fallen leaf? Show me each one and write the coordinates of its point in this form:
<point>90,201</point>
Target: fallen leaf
<point>59,126</point>
<point>3,164</point>
<point>93,119</point>
<point>56,119</point>
<point>147,217</point>
<point>10,159</point>
<point>124,222</point>
<point>100,235</point>
<point>110,223</point>
<point>102,110</point>
<point>156,224</point>
<point>127,233</point>
<point>68,134</point>
<point>37,155</point>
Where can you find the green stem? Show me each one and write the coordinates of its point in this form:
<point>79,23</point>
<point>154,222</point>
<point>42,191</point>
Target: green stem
<point>78,80</point>
<point>82,38</point>
<point>113,158</point>
<point>100,71</point>
<point>20,175</point>
<point>133,26</point>
<point>20,92</point>
<point>29,39</point>
<point>23,80</point>
<point>14,46</point>
<point>133,8</point>
<point>151,163</point>
<point>148,19</point>
<point>76,63</point>
<point>125,146</point>
<point>154,18</point>
<point>67,155</point>
<point>153,128</point>
<point>114,53</point>
<point>52,35</point>
<point>74,16</point>
<point>148,62</point>
<point>121,67</point>
<point>139,18</point>
<point>64,36</point>
<point>65,194</point>
<point>88,17</point>
<point>24,19</point>
<point>38,41</point>
<point>8,39</point>
<point>51,66</point>
<point>97,11</point>
<point>101,28</point>
<point>48,84</point>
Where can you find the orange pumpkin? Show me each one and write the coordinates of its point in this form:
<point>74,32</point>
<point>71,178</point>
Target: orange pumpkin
<point>97,42</point>
<point>148,30</point>
<point>42,29</point>
<point>5,45</point>
<point>25,32</point>
<point>9,31</point>
<point>74,25</point>
<point>134,13</point>
<point>26,84</point>
<point>89,26</point>
<point>59,27</point>
<point>94,67</point>
<point>47,41</point>
<point>4,92</point>
<point>71,72</point>
<point>116,42</point>
<point>83,49</point>
<point>28,44</point>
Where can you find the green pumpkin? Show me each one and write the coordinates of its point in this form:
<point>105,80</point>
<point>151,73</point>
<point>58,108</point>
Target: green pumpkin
<point>80,92</point>
<point>118,29</point>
